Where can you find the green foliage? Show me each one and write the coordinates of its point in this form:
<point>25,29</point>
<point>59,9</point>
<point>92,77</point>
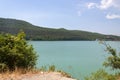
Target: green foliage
<point>114,59</point>
<point>39,33</point>
<point>100,75</point>
<point>15,51</point>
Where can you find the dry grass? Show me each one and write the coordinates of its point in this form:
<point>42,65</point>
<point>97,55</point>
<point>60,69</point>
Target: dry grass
<point>15,75</point>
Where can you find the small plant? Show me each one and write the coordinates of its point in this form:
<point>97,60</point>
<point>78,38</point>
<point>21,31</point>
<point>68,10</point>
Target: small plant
<point>64,73</point>
<point>52,68</point>
<point>43,68</point>
<point>100,75</point>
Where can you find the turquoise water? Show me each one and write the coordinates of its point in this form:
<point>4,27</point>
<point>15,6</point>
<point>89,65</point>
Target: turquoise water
<point>78,58</point>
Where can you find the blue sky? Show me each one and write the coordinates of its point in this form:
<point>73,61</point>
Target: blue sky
<point>102,16</point>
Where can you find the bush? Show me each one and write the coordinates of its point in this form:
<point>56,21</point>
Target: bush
<point>100,75</point>
<point>15,51</point>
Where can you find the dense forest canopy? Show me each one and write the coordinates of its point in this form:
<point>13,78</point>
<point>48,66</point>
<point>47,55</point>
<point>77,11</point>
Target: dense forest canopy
<point>33,32</point>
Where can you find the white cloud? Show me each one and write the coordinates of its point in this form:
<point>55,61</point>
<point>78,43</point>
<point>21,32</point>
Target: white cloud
<point>91,5</point>
<point>105,4</point>
<point>112,16</point>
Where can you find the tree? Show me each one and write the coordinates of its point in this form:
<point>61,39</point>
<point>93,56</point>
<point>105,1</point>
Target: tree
<point>15,52</point>
<point>114,59</point>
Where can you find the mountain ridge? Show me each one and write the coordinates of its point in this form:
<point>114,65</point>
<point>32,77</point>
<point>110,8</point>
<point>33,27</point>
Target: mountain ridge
<point>33,32</point>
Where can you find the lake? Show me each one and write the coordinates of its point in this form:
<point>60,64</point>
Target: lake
<point>78,58</point>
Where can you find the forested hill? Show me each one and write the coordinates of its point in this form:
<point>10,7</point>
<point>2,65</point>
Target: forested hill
<point>13,26</point>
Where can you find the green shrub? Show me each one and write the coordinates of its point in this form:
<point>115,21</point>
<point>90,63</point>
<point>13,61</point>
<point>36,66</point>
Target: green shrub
<point>15,51</point>
<point>100,75</point>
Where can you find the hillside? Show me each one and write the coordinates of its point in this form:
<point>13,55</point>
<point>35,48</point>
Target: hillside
<point>33,32</point>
